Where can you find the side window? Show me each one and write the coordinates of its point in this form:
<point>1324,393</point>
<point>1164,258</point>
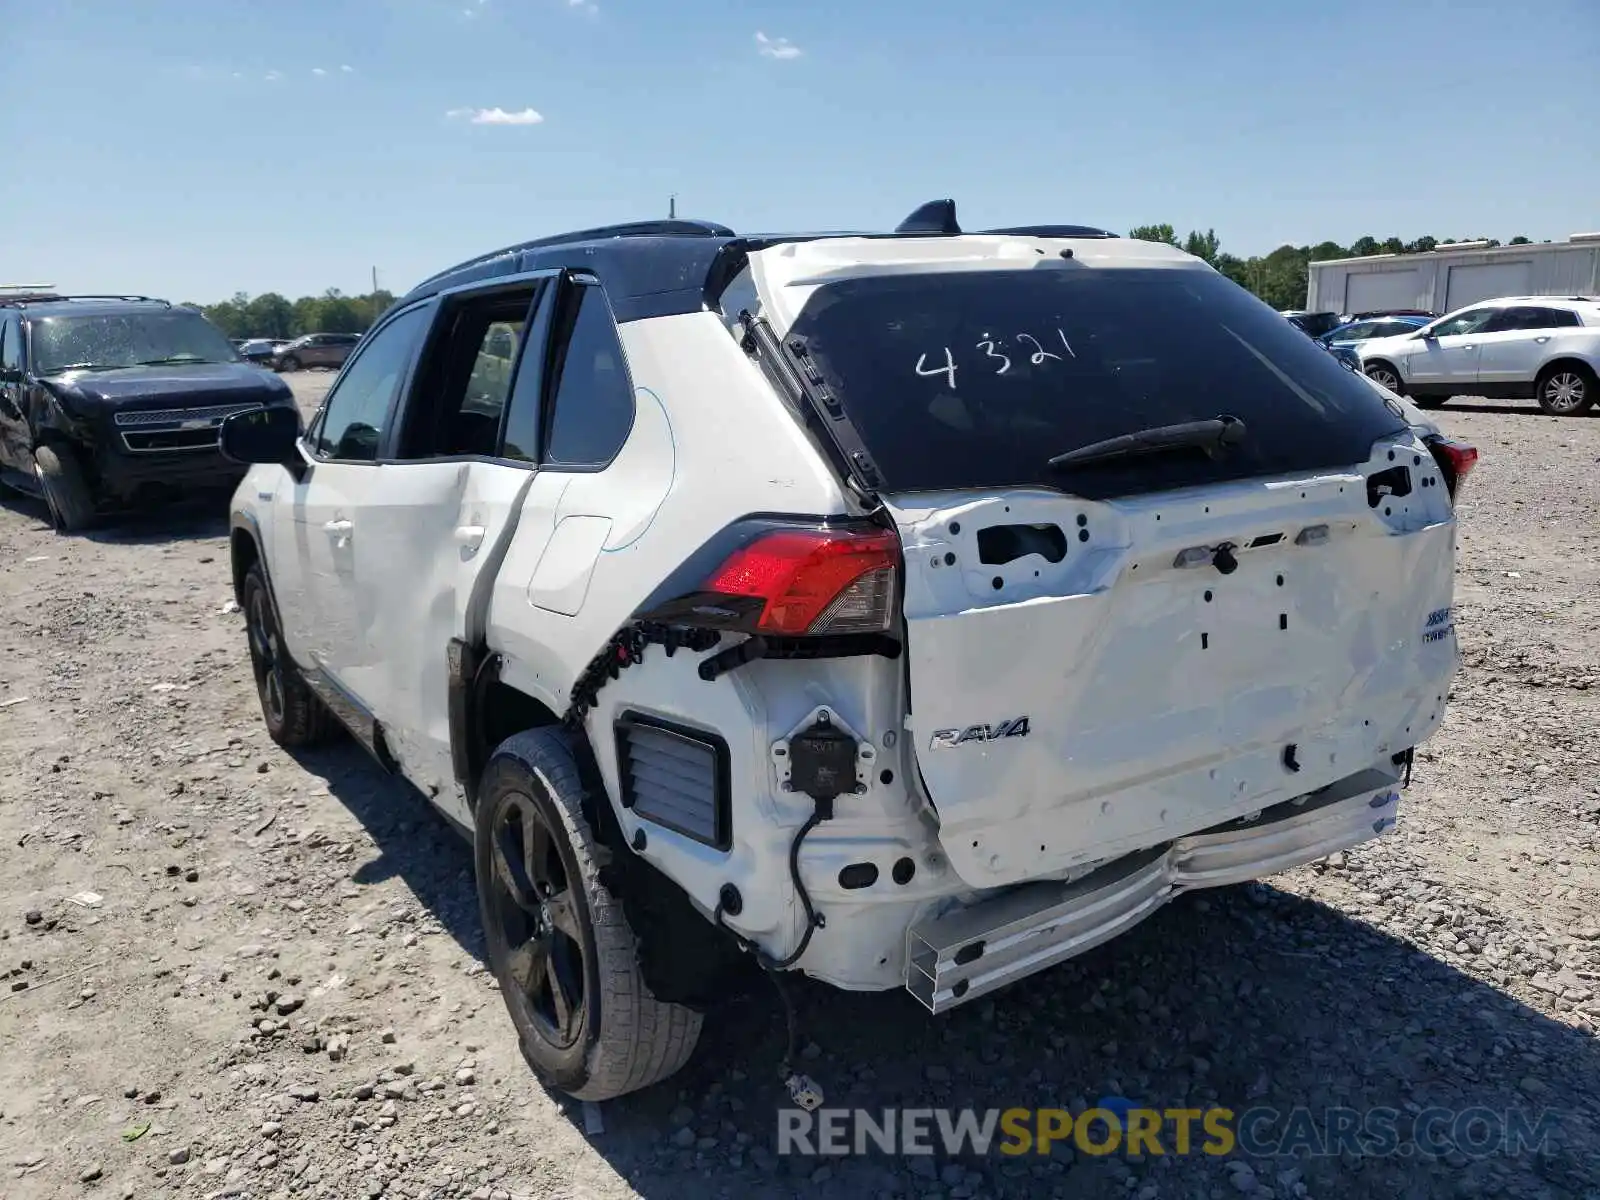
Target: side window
<point>1510,320</point>
<point>1467,322</point>
<point>353,417</point>
<point>1358,331</point>
<point>467,377</point>
<point>1551,318</point>
<point>10,344</point>
<point>593,395</point>
<point>1527,319</point>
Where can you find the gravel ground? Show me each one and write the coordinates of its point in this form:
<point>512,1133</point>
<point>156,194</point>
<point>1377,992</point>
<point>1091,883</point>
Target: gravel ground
<point>280,989</point>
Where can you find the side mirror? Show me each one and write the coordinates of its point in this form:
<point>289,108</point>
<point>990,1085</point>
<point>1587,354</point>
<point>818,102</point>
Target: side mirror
<point>10,375</point>
<point>262,435</point>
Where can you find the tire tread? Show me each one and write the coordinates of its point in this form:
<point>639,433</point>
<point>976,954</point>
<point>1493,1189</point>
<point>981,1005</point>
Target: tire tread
<point>642,1040</point>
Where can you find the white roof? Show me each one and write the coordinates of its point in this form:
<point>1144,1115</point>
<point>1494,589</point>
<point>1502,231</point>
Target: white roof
<point>786,275</point>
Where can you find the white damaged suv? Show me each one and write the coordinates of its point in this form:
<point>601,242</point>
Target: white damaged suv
<point>909,610</point>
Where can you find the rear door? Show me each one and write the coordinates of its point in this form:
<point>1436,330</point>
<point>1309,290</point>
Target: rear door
<point>1514,344</point>
<point>434,523</point>
<point>1105,655</point>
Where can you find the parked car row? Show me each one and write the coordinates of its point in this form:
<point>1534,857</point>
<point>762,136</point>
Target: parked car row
<point>309,350</point>
<point>1544,348</point>
<point>1322,324</point>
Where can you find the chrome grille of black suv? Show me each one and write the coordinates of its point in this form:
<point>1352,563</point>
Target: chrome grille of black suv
<point>151,430</point>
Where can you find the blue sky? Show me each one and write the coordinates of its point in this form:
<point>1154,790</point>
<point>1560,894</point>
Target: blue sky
<point>191,148</point>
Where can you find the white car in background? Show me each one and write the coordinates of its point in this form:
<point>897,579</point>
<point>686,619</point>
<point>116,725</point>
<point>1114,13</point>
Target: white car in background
<point>1545,348</point>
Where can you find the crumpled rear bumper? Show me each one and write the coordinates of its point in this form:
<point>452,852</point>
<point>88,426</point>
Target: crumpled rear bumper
<point>969,952</point>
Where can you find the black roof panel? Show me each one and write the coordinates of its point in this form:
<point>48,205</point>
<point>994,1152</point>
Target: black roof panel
<point>664,268</point>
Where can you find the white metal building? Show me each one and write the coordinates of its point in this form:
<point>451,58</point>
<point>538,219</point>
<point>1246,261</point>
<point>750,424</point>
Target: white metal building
<point>1452,276</point>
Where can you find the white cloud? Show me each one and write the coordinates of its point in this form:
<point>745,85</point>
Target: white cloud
<point>347,69</point>
<point>318,71</point>
<point>584,6</point>
<point>274,76</point>
<point>498,116</point>
<point>776,47</point>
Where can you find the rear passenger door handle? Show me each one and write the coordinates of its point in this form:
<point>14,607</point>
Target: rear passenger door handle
<point>470,537</point>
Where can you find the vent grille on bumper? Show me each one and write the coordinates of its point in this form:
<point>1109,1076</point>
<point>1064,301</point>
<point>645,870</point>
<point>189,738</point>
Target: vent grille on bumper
<point>675,777</point>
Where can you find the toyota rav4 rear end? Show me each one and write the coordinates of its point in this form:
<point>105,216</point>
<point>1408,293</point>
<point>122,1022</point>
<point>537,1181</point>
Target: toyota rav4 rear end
<point>1169,593</point>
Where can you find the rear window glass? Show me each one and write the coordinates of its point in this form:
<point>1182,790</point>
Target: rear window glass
<point>976,379</point>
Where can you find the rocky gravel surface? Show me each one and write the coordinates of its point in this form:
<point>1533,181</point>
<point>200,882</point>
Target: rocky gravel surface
<point>228,972</point>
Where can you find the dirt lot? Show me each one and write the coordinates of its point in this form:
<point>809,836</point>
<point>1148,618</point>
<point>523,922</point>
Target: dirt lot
<point>280,990</point>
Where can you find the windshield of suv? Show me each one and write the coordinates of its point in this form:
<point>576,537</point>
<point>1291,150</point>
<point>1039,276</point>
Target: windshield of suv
<point>104,341</point>
<point>976,379</point>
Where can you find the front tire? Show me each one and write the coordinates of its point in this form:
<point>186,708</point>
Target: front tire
<point>1565,390</point>
<point>66,491</point>
<point>289,364</point>
<point>557,939</point>
<point>295,717</point>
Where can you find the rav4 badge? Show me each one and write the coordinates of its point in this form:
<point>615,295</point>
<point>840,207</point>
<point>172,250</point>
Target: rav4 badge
<point>943,739</point>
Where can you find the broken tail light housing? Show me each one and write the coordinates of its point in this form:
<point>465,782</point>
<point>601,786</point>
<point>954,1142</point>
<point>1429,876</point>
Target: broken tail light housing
<point>823,582</point>
<point>1456,461</point>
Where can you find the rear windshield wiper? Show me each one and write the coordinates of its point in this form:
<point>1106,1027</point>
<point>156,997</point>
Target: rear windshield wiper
<point>173,358</point>
<point>1209,436</point>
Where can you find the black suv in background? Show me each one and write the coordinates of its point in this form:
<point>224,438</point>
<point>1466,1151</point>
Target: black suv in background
<point>107,401</point>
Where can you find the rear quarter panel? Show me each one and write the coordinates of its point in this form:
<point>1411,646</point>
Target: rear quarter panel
<point>711,442</point>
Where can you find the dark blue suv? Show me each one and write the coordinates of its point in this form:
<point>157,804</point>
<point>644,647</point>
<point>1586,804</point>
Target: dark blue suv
<point>106,401</point>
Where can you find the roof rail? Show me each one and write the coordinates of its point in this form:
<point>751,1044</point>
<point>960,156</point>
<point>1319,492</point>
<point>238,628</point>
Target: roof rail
<point>668,228</point>
<point>56,298</point>
<point>1054,231</point>
<point>117,296</point>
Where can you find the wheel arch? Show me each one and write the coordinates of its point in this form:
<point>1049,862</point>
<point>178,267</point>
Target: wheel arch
<point>1567,359</point>
<point>485,709</point>
<point>683,958</point>
<point>244,552</point>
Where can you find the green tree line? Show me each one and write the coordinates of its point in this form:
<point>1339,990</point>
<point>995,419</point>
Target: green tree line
<point>1281,278</point>
<point>270,315</point>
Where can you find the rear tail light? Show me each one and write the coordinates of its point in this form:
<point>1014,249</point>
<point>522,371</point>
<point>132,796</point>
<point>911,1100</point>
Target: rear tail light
<point>1455,459</point>
<point>814,582</point>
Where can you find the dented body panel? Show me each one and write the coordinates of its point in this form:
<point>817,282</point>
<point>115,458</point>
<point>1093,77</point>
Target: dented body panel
<point>1144,700</point>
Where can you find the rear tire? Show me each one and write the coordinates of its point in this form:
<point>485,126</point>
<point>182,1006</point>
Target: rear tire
<point>66,491</point>
<point>1386,376</point>
<point>289,364</point>
<point>1565,390</point>
<point>295,717</point>
<point>557,939</point>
